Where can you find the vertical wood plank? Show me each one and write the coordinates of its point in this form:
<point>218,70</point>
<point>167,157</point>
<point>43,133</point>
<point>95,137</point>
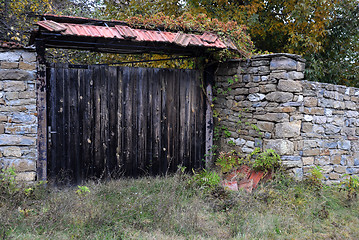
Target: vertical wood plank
<point>112,119</point>
<point>156,121</point>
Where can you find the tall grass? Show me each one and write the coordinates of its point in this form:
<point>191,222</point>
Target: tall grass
<point>170,208</point>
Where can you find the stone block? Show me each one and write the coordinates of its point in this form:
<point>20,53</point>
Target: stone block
<point>307,127</point>
<point>9,65</point>
<point>300,66</point>
<point>319,119</point>
<point>29,56</point>
<point>267,88</point>
<point>2,128</point>
<point>322,160</point>
<point>289,86</point>
<point>282,147</point>
<point>14,74</point>
<point>265,126</point>
<point>278,75</point>
<point>288,129</point>
<point>27,94</point>
<point>283,63</point>
<point>10,56</point>
<point>334,176</point>
<point>280,96</point>
<point>314,111</point>
<point>310,101</point>
<point>27,66</point>
<point>26,176</point>
<point>12,152</point>
<point>255,97</point>
<point>350,105</point>
<point>295,75</point>
<point>344,145</point>
<point>23,118</point>
<point>340,169</point>
<point>330,129</point>
<point>14,86</point>
<point>257,63</point>
<point>29,101</point>
<point>11,95</point>
<point>273,117</point>
<point>308,160</point>
<point>311,152</point>
<point>3,118</point>
<point>16,140</point>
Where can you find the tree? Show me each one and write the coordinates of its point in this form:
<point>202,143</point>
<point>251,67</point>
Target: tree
<point>338,63</point>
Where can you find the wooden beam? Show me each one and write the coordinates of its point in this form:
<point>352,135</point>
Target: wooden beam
<point>41,112</point>
<point>209,80</point>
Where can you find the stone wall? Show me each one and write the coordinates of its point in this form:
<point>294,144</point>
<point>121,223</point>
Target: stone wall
<point>307,123</point>
<point>18,120</point>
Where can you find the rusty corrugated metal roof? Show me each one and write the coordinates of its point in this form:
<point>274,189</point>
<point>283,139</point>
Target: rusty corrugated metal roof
<point>122,32</point>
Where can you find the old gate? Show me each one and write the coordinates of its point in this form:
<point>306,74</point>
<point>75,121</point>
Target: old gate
<point>105,121</point>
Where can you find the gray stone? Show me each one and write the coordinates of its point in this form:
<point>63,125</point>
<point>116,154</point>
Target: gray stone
<point>273,117</point>
<point>283,63</point>
<point>10,56</point>
<point>14,86</point>
<point>331,129</point>
<point>292,104</point>
<point>267,88</point>
<point>256,97</point>
<point>257,63</point>
<point>27,66</point>
<point>12,152</point>
<point>345,145</point>
<point>26,176</point>
<point>310,101</point>
<point>16,140</point>
<point>308,160</point>
<point>288,129</point>
<point>280,97</point>
<point>23,118</point>
<point>12,74</point>
<point>278,75</point>
<point>295,75</point>
<point>319,119</point>
<point>265,126</point>
<point>29,56</point>
<point>340,169</point>
<point>300,66</point>
<point>282,147</point>
<point>352,114</point>
<point>308,118</point>
<point>291,158</point>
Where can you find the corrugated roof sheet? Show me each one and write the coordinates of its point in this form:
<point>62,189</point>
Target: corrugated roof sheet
<point>121,32</point>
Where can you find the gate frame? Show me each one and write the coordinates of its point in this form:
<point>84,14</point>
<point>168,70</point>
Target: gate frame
<point>42,41</point>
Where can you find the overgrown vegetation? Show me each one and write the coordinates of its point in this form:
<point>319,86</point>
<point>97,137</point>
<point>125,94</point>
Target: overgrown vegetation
<point>173,208</point>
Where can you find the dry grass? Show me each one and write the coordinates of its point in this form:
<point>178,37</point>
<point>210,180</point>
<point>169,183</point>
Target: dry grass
<point>169,208</point>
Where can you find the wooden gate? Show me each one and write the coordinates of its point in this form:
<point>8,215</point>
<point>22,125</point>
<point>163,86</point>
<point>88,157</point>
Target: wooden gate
<point>105,121</point>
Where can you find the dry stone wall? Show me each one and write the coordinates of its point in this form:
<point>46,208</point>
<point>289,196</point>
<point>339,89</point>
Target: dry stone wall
<point>265,102</point>
<point>18,120</point>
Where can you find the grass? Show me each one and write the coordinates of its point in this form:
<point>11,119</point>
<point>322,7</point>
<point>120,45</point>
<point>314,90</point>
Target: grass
<point>170,208</point>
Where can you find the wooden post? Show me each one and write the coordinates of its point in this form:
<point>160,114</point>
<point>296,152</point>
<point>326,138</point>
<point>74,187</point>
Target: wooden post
<point>41,112</point>
<point>209,80</point>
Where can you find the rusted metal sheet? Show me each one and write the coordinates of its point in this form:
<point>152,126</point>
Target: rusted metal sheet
<point>207,40</point>
<point>52,26</point>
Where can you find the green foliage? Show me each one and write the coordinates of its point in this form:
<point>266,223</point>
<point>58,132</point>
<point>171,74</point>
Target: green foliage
<point>350,185</point>
<point>8,183</point>
<point>207,180</point>
<point>266,160</point>
<point>82,190</point>
<point>316,177</point>
<point>228,161</point>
